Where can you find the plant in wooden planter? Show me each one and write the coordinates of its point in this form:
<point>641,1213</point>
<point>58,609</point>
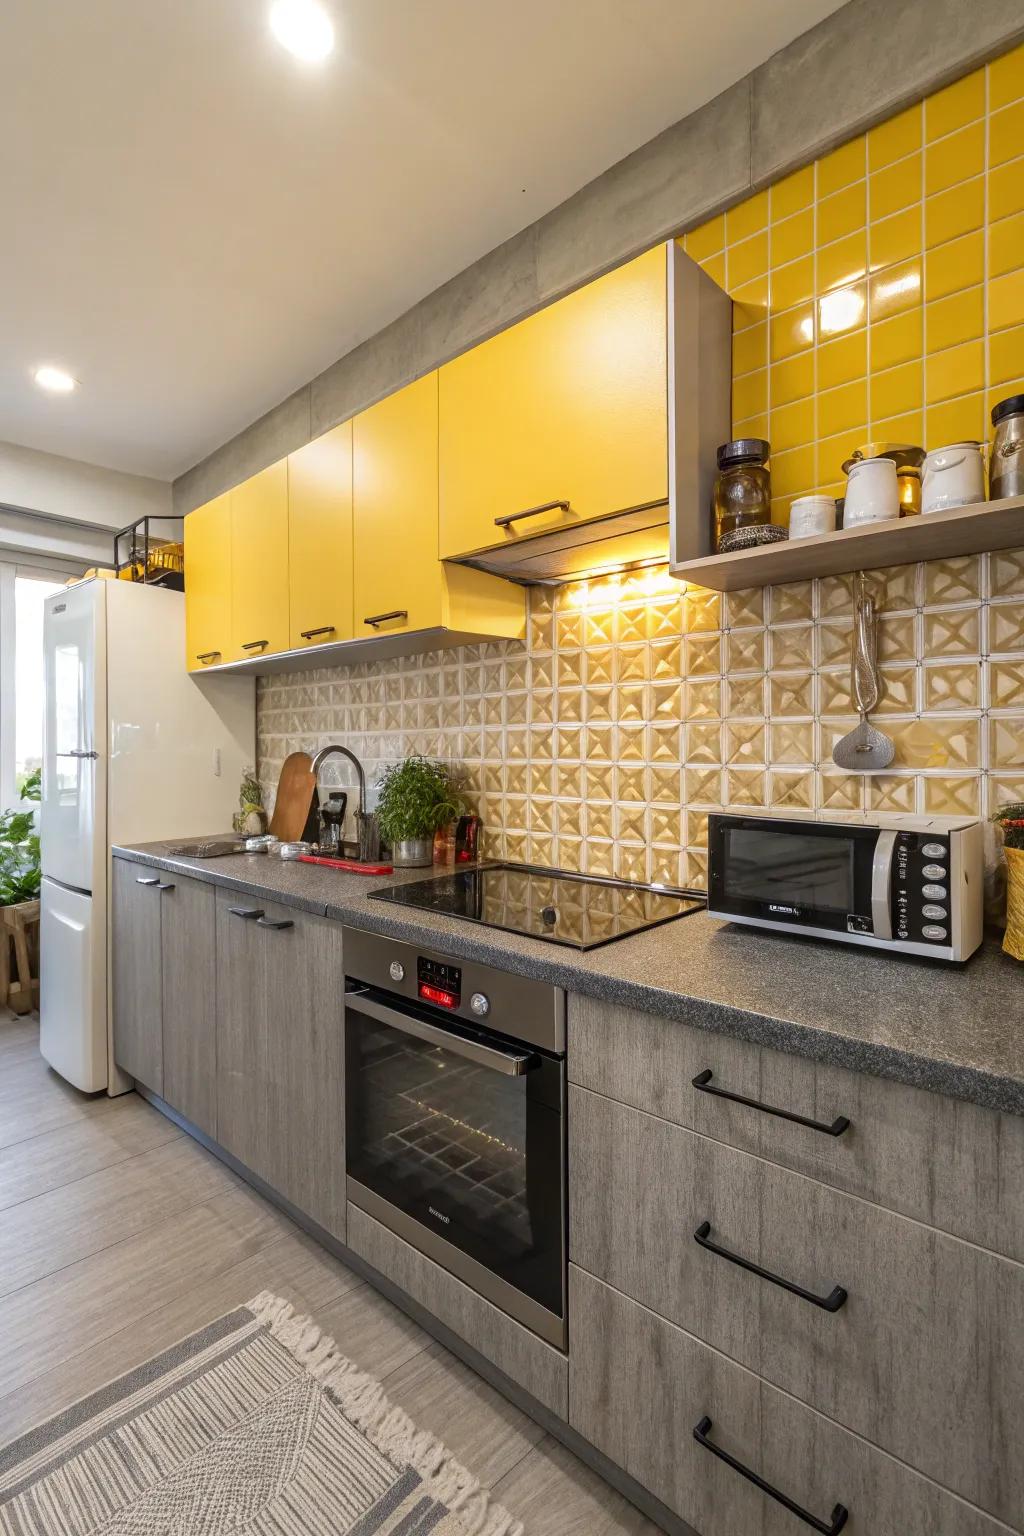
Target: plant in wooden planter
<point>1010,818</point>
<point>20,881</point>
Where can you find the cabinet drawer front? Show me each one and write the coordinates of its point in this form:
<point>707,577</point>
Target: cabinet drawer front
<point>956,1166</point>
<point>638,1387</point>
<point>136,972</point>
<point>189,968</point>
<point>926,1321</point>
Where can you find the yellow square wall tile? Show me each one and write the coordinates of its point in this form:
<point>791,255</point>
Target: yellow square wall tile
<point>839,410</point>
<point>956,421</point>
<point>954,212</point>
<point>793,425</point>
<point>842,213</point>
<point>750,348</point>
<point>1006,78</point>
<point>1006,301</point>
<point>895,289</point>
<point>751,426</point>
<point>714,266</point>
<point>897,340</point>
<point>1006,245</point>
<point>897,238</point>
<point>1006,189</point>
<point>750,393</point>
<point>843,262</point>
<point>1006,357</point>
<point>792,193</point>
<point>747,260</point>
<point>792,237</point>
<point>843,165</point>
<point>832,453</point>
<point>792,331</point>
<point>792,284</point>
<point>750,302</point>
<point>955,158</point>
<point>891,140</point>
<point>961,317</point>
<point>897,390</point>
<point>895,187</point>
<point>747,218</point>
<point>958,104</point>
<point>842,309</point>
<point>1005,134</point>
<point>958,264</point>
<point>793,472</point>
<point>843,360</point>
<point>957,371</point>
<point>908,427</point>
<point>791,380</point>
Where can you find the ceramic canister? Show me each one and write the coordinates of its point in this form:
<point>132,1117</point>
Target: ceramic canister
<point>953,476</point>
<point>809,515</point>
<point>872,494</point>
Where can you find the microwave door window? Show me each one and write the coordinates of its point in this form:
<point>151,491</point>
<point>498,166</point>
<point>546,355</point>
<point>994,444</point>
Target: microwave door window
<point>812,874</point>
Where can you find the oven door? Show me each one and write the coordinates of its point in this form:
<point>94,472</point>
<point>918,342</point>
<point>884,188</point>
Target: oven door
<point>455,1140</point>
<point>819,877</point>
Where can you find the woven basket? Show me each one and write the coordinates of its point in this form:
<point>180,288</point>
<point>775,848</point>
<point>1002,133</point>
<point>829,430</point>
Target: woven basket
<point>1013,939</point>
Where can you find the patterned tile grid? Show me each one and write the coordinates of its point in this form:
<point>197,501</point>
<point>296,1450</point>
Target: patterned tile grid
<point>880,291</point>
<point>636,706</point>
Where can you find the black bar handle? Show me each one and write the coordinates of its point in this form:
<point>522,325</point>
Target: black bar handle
<point>268,922</point>
<point>382,618</point>
<point>255,645</point>
<point>838,1126</point>
<point>840,1513</point>
<point>515,517</point>
<point>250,914</point>
<point>831,1303</point>
<point>165,885</point>
<point>325,629</point>
<point>206,655</point>
<point>147,880</point>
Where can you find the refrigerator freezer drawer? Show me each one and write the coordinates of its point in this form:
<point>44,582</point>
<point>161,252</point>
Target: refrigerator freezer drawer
<point>73,986</point>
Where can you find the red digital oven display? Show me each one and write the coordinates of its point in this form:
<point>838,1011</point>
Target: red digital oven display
<point>438,983</point>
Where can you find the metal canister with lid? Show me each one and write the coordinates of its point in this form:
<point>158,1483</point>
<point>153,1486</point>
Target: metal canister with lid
<point>742,498</point>
<point>1006,464</point>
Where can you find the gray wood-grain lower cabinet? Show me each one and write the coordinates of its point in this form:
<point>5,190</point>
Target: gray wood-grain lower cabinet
<point>280,1051</point>
<point>136,972</point>
<point>639,1386</point>
<point>188,961</point>
<point>928,1321</point>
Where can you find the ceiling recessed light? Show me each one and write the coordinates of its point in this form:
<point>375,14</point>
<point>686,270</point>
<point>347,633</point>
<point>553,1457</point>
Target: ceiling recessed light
<point>303,27</point>
<point>57,380</point>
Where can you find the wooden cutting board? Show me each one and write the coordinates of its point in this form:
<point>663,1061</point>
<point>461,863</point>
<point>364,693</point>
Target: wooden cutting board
<point>295,804</point>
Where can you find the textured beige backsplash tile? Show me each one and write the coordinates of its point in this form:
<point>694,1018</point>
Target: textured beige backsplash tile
<point>636,706</point>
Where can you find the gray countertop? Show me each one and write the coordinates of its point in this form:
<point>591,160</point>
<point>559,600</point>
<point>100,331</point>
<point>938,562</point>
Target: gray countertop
<point>957,1030</point>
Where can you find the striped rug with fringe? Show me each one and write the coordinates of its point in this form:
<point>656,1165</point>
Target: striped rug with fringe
<point>254,1424</point>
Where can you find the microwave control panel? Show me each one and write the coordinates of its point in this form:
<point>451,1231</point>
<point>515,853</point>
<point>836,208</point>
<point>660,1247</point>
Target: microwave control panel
<point>921,903</point>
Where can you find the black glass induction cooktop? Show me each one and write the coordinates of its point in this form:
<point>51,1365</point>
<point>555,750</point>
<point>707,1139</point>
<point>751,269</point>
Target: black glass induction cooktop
<point>577,910</point>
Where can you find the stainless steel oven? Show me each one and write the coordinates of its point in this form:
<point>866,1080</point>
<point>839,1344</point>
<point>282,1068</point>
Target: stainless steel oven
<point>455,1119</point>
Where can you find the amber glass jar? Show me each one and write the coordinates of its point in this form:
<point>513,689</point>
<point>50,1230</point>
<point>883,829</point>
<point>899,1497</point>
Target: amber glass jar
<point>743,487</point>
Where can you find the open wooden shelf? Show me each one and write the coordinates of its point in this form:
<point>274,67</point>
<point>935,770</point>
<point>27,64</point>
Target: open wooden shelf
<point>961,531</point>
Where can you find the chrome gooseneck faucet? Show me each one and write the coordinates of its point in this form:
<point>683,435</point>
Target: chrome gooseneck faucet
<point>334,750</point>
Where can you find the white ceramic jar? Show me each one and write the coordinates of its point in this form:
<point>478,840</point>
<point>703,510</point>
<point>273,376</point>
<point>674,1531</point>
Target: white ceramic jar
<point>953,476</point>
<point>810,515</point>
<point>872,493</point>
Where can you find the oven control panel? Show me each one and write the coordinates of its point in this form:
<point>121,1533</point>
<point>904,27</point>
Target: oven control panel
<point>438,983</point>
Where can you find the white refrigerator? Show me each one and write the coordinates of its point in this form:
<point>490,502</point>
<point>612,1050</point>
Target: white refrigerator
<point>134,750</point>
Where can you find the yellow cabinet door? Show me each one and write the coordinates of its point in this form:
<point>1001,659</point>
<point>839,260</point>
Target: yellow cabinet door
<point>398,579</point>
<point>259,564</point>
<point>320,540</point>
<point>208,584</point>
<point>570,405</point>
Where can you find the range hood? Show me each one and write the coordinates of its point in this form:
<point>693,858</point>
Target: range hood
<point>618,541</point>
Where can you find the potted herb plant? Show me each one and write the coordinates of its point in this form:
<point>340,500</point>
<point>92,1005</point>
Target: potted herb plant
<point>416,797</point>
<point>20,880</point>
<point>1010,818</point>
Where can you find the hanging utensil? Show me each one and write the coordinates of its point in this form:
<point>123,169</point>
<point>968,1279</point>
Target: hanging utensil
<point>864,749</point>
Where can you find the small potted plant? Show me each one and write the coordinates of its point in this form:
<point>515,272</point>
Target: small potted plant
<point>20,879</point>
<point>416,797</point>
<point>251,817</point>
<point>1010,818</point>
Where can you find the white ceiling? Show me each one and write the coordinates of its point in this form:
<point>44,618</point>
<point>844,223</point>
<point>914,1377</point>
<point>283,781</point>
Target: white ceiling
<point>194,223</point>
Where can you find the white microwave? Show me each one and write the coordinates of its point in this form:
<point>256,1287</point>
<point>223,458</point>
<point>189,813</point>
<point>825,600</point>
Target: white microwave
<point>913,884</point>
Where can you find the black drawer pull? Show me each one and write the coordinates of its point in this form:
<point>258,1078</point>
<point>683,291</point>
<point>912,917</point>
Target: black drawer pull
<point>545,506</point>
<point>384,618</point>
<point>830,1303</point>
<point>255,645</point>
<point>158,884</point>
<point>840,1514</point>
<point>838,1126</point>
<point>206,655</point>
<point>251,914</point>
<point>309,634</point>
<point>268,922</point>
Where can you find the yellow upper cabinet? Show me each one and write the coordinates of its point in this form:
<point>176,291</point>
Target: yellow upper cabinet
<point>259,564</point>
<point>398,579</point>
<point>208,584</point>
<point>569,405</point>
<point>320,540</point>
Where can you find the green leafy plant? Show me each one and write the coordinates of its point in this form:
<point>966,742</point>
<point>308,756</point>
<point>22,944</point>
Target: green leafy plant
<point>1011,819</point>
<point>20,870</point>
<point>416,797</point>
<point>250,795</point>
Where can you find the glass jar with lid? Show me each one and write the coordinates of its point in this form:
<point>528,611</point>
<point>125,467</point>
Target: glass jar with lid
<point>742,498</point>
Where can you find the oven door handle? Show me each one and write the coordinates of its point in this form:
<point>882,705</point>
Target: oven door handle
<point>509,1063</point>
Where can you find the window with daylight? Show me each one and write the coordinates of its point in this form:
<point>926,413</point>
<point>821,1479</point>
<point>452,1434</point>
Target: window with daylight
<point>23,591</point>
